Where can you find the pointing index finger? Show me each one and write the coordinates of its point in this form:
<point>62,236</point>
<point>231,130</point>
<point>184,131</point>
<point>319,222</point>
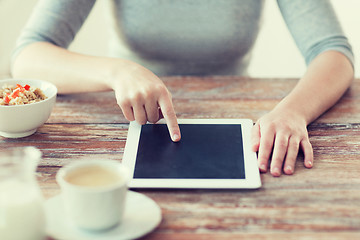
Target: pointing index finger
<point>168,112</point>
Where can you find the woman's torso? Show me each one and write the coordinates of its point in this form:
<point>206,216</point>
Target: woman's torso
<point>186,36</point>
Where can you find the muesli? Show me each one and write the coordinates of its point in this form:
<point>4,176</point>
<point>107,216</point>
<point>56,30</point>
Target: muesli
<point>20,95</point>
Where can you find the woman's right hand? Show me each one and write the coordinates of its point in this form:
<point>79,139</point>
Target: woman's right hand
<point>143,97</point>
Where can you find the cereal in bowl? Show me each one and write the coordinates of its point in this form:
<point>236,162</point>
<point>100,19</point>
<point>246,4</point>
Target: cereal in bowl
<point>20,95</point>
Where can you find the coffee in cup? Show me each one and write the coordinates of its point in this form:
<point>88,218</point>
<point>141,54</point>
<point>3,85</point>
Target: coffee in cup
<point>94,193</point>
<point>93,176</point>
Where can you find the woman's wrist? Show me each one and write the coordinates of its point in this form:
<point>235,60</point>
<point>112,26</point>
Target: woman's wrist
<point>117,70</point>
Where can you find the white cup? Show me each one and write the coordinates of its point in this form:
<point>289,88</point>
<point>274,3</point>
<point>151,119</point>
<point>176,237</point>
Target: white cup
<point>94,193</point>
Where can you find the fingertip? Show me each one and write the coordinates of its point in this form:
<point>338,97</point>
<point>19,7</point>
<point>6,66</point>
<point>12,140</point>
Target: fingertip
<point>308,153</point>
<point>263,168</point>
<point>141,121</point>
<point>309,164</point>
<point>176,137</point>
<point>288,170</point>
<point>130,119</point>
<point>276,172</point>
<point>255,147</point>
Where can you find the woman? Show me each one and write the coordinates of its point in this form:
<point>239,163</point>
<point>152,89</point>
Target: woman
<point>154,38</point>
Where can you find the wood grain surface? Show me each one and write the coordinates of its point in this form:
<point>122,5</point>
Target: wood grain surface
<point>318,203</point>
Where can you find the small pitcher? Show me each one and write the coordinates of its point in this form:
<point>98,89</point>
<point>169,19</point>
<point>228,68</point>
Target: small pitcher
<point>22,213</point>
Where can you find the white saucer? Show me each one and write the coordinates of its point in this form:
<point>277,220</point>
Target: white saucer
<point>141,216</point>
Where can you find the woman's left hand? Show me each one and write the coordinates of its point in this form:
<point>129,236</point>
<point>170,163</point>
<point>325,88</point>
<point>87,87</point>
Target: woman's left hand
<point>278,136</point>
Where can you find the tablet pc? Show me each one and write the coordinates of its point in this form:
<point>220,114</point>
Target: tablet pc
<point>212,153</point>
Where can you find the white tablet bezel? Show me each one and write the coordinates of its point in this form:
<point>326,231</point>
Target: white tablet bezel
<point>252,176</point>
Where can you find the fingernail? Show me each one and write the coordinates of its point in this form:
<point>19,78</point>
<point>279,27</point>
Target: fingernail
<point>175,137</point>
<point>289,170</point>
<point>309,163</point>
<point>276,171</point>
<point>263,167</point>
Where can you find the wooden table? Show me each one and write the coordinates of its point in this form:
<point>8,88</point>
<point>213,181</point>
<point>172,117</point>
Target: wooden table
<point>321,203</point>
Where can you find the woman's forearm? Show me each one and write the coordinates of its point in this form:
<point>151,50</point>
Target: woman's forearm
<point>327,78</point>
<point>282,133</point>
<point>70,72</point>
<point>141,95</point>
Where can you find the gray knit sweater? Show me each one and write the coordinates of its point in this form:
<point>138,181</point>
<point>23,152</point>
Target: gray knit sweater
<point>194,37</point>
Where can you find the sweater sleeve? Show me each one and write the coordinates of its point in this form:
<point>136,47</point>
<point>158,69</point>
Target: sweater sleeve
<point>56,22</point>
<point>315,28</point>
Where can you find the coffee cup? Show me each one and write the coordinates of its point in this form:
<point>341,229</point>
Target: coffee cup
<point>93,193</point>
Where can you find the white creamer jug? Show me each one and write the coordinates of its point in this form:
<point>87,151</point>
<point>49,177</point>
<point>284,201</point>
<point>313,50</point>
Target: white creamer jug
<point>21,203</point>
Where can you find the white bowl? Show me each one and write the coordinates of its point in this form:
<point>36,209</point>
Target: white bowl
<point>23,120</point>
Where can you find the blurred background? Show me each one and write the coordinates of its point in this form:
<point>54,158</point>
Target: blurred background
<point>274,55</point>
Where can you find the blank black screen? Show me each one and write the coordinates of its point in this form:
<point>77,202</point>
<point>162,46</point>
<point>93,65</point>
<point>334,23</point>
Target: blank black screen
<point>204,151</point>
